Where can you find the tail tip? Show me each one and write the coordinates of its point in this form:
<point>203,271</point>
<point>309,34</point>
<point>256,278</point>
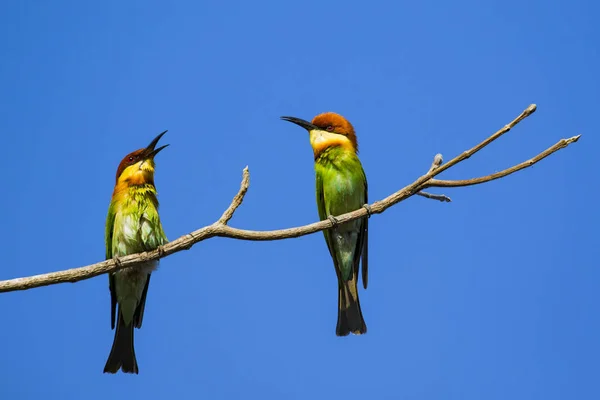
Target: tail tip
<point>344,330</point>
<point>112,369</point>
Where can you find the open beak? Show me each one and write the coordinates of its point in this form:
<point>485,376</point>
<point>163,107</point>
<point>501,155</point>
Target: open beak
<point>151,151</point>
<point>305,124</point>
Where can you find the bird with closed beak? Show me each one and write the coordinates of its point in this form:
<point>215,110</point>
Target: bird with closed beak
<point>341,187</point>
<point>132,226</point>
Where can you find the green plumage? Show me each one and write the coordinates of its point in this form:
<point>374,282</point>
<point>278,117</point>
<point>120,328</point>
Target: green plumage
<point>132,226</point>
<point>342,187</point>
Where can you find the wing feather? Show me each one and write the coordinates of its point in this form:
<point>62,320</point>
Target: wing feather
<point>108,236</point>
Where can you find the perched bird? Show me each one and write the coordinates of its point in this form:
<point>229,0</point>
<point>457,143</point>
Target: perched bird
<point>132,226</point>
<point>341,188</point>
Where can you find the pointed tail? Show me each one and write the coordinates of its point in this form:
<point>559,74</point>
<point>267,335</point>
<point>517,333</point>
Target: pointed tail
<point>122,353</point>
<point>350,319</point>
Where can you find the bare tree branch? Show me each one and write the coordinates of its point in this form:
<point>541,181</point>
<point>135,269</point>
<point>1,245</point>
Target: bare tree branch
<point>497,175</point>
<point>221,229</point>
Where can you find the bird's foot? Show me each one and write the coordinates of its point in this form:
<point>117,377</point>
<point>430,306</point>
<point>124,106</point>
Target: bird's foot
<point>117,261</point>
<point>334,221</point>
<point>368,208</point>
<point>161,251</point>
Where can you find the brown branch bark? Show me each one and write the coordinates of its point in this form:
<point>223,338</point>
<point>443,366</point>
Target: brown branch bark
<point>220,227</point>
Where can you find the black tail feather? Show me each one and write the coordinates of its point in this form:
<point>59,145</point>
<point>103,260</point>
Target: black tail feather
<point>350,319</point>
<point>122,353</point>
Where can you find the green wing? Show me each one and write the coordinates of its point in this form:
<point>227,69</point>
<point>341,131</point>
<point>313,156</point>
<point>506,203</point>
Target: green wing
<point>323,214</point>
<point>363,239</point>
<point>108,236</point>
<point>363,231</point>
<point>151,231</point>
<point>151,236</point>
<point>108,232</point>
<point>355,201</point>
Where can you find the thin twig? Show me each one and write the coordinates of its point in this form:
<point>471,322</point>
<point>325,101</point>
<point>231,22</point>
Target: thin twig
<point>220,228</point>
<point>432,196</point>
<point>239,197</point>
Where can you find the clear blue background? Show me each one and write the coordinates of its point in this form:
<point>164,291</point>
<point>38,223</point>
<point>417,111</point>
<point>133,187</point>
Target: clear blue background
<point>493,296</point>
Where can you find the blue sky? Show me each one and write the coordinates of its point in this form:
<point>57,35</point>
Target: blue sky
<point>493,296</point>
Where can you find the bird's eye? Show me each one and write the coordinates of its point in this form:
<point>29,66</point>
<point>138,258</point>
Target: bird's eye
<point>329,128</point>
<point>130,158</point>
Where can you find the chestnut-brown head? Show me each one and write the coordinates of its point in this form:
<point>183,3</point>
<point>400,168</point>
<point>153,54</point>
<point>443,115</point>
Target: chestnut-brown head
<point>138,167</point>
<point>328,130</point>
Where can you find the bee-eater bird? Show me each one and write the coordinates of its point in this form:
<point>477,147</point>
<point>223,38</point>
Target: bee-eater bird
<point>341,188</point>
<point>132,226</point>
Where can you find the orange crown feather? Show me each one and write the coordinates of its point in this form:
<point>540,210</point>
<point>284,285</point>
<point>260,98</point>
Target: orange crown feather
<point>335,123</point>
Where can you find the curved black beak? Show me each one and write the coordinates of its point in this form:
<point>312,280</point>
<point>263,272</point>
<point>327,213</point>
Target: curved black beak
<point>151,151</point>
<point>305,124</point>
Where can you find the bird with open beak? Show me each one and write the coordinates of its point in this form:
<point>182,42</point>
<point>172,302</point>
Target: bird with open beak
<point>132,226</point>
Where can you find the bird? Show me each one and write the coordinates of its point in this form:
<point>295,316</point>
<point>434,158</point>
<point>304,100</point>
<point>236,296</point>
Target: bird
<point>132,226</point>
<point>341,187</point>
